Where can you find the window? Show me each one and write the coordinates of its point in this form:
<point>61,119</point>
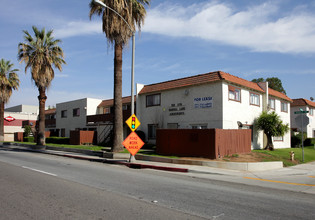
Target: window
<point>153,100</point>
<point>284,107</point>
<point>272,103</point>
<point>279,138</point>
<point>311,111</point>
<point>254,99</point>
<point>152,131</point>
<point>172,125</point>
<point>63,132</point>
<point>64,113</point>
<point>124,107</point>
<point>234,94</point>
<point>76,112</point>
<point>200,126</point>
<point>106,110</point>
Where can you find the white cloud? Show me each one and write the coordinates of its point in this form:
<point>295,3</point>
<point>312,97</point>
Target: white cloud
<point>76,28</point>
<point>259,28</point>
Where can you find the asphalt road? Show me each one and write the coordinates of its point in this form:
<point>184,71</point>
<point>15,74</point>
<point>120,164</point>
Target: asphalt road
<point>37,186</point>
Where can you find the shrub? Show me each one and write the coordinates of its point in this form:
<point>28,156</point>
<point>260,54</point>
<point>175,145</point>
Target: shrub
<point>27,130</point>
<point>28,139</point>
<point>295,140</point>
<point>309,141</point>
<point>58,140</point>
<point>141,135</point>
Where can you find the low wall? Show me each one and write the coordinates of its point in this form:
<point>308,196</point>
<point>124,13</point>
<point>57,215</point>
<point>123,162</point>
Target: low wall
<point>207,143</point>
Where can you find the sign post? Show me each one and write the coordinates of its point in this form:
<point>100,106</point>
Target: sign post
<point>302,112</point>
<point>133,142</point>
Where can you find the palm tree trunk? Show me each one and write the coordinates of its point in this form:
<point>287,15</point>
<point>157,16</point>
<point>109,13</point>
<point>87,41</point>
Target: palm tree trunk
<point>1,120</point>
<point>41,123</point>
<point>118,118</point>
<point>269,143</point>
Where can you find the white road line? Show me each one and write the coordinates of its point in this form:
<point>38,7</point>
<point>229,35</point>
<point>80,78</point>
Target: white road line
<point>40,171</point>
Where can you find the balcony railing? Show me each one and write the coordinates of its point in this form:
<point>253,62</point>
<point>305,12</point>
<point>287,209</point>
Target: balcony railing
<point>50,123</point>
<point>102,118</point>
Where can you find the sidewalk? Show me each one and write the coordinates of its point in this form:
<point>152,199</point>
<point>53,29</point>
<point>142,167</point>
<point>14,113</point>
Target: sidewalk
<point>300,178</point>
<point>145,161</point>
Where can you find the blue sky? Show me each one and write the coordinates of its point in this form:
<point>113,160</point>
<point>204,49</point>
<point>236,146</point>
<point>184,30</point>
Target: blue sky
<point>249,39</point>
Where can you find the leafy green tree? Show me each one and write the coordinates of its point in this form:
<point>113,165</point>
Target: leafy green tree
<point>273,82</point>
<point>41,53</point>
<point>27,130</point>
<point>9,81</point>
<point>118,34</point>
<point>271,124</point>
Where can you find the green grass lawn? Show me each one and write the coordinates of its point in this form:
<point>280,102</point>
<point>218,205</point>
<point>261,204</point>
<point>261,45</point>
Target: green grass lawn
<point>276,155</point>
<point>284,155</point>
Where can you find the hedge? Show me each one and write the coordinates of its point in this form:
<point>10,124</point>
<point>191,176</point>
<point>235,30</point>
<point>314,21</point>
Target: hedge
<point>28,139</point>
<point>58,140</point>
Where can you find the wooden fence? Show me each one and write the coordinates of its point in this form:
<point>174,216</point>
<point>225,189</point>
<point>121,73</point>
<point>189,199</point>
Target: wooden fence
<point>207,143</point>
<point>82,137</point>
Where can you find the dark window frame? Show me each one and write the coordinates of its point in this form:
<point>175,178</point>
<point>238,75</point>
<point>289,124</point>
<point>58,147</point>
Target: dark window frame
<point>64,114</point>
<point>151,133</point>
<point>152,95</point>
<point>76,112</point>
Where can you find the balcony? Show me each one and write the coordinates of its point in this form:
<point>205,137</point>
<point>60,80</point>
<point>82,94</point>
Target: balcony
<point>102,118</point>
<point>50,123</point>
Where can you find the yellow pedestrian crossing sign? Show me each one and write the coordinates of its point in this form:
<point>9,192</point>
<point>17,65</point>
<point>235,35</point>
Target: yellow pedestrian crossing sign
<point>133,122</point>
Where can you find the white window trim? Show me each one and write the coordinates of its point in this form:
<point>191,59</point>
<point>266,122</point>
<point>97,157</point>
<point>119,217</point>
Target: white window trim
<point>252,94</point>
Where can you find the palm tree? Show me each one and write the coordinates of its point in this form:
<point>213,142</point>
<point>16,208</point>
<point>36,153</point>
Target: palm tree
<point>272,125</point>
<point>9,80</point>
<point>118,34</point>
<point>40,54</point>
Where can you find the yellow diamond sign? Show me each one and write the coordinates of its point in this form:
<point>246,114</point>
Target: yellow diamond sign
<point>133,122</point>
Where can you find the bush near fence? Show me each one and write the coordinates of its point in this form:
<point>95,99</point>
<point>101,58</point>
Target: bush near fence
<point>57,140</point>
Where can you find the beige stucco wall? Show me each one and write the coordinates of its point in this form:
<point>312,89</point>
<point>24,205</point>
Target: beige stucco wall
<point>243,112</point>
<point>223,113</point>
<point>179,106</point>
<point>87,106</point>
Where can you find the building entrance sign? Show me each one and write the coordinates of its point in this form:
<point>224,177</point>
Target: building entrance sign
<point>9,118</point>
<point>203,102</point>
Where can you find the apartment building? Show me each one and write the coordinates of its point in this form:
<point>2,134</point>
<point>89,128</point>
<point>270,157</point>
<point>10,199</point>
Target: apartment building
<point>211,100</point>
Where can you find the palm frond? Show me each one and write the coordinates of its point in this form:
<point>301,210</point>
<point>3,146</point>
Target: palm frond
<point>40,53</point>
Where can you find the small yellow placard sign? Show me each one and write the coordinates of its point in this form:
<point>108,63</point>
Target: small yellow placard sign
<point>133,122</point>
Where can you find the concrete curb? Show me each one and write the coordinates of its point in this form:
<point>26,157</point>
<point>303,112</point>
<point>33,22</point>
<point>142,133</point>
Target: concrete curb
<point>116,158</point>
<point>241,166</point>
<point>147,166</point>
<point>101,160</point>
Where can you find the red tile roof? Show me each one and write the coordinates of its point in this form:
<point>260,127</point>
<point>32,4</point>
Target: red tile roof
<point>279,95</point>
<point>302,102</point>
<point>110,102</point>
<point>208,78</point>
<point>243,82</point>
<point>50,111</point>
<point>183,82</point>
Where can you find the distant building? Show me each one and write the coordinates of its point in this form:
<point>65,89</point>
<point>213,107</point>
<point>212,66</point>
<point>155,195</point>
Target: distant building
<point>296,121</point>
<point>72,115</point>
<point>23,109</point>
<point>14,118</point>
